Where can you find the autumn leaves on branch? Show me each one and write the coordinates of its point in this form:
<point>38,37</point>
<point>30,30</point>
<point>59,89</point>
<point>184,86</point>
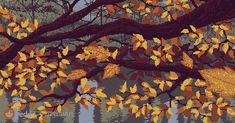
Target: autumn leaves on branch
<point>154,49</point>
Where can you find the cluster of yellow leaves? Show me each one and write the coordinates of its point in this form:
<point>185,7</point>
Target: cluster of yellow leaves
<point>86,91</point>
<point>6,14</point>
<point>133,96</point>
<point>21,28</point>
<point>163,84</point>
<point>139,41</point>
<point>213,43</point>
<point>156,57</point>
<point>110,70</point>
<point>126,7</point>
<point>98,53</point>
<point>221,80</point>
<point>163,53</point>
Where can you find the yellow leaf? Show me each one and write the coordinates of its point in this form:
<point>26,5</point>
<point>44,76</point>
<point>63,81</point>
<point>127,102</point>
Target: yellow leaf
<point>33,98</point>
<point>169,83</point>
<point>164,14</point>
<point>133,89</point>
<point>9,31</point>
<point>219,100</point>
<point>59,108</point>
<point>36,23</point>
<point>148,10</point>
<point>40,108</point>
<point>23,57</point>
<point>78,99</point>
<point>65,61</point>
<point>51,66</point>
<point>200,83</point>
<point>231,39</point>
<point>129,10</point>
<point>42,51</point>
<point>157,53</point>
<point>215,40</point>
<point>193,28</point>
<point>157,40</point>
<point>157,61</point>
<point>185,83</point>
<point>114,54</point>
<point>221,80</point>
<point>25,23</point>
<point>47,104</point>
<point>196,52</point>
<point>205,120</point>
<point>29,29</point>
<point>230,111</point>
<point>179,97</point>
<point>173,105</point>
<point>187,61</point>
<point>4,74</point>
<point>134,109</point>
<point>111,102</point>
<point>16,105</point>
<point>83,82</point>
<point>204,47</point>
<point>43,75</point>
<point>145,85</point>
<point>161,86</point>
<point>139,37</point>
<point>169,57</point>
<point>123,88</point>
<point>225,48</point>
<point>155,118</point>
<point>185,31</point>
<point>100,94</point>
<point>153,92</point>
<point>61,74</point>
<point>14,92</point>
<point>189,104</point>
<point>53,85</point>
<point>195,112</point>
<point>167,47</point>
<point>24,88</point>
<point>198,94</point>
<point>173,76</point>
<point>169,111</point>
<point>16,29</point>
<point>65,51</point>
<point>120,105</point>
<point>10,66</point>
<point>12,24</point>
<point>145,45</point>
<point>110,70</point>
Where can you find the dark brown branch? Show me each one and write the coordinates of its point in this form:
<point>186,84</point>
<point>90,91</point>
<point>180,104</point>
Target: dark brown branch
<point>208,13</point>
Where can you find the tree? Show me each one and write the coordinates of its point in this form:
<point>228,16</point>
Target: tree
<point>184,46</point>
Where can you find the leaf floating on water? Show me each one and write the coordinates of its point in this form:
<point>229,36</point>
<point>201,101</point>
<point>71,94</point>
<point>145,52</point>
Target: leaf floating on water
<point>220,80</point>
